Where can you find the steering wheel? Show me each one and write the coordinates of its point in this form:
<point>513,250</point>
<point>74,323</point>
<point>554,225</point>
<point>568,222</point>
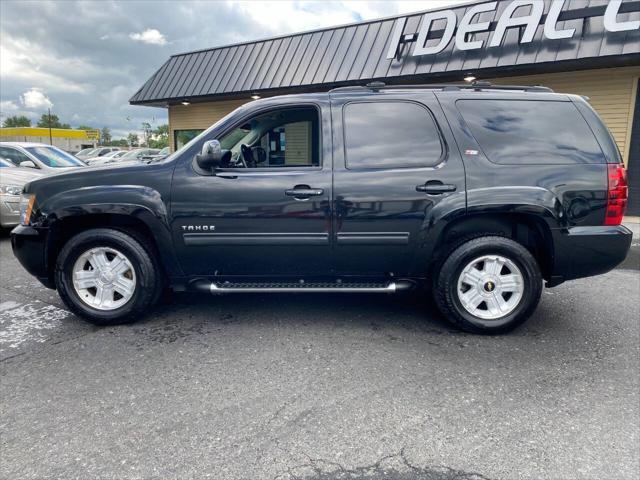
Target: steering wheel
<point>247,156</point>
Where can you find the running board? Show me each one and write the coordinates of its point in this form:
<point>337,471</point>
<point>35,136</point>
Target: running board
<point>302,287</point>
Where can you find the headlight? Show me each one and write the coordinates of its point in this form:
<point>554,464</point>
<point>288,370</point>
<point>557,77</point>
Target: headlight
<point>26,207</point>
<point>10,189</point>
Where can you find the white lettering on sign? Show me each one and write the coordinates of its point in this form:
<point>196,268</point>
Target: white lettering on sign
<point>450,17</point>
<point>611,23</point>
<point>552,19</point>
<point>469,25</point>
<point>466,27</point>
<point>530,22</point>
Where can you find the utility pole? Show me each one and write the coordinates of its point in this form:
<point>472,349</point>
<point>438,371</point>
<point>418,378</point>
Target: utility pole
<point>50,136</point>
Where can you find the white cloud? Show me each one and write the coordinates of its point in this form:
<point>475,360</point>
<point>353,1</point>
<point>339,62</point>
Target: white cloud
<point>35,99</point>
<point>8,106</point>
<point>150,36</point>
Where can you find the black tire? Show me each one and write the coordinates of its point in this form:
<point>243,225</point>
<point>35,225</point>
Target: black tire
<point>445,289</point>
<point>148,276</point>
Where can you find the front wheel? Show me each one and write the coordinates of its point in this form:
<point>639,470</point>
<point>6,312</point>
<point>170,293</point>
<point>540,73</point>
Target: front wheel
<point>488,285</point>
<point>106,277</point>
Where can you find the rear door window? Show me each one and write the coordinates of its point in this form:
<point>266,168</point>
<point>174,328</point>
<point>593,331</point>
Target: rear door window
<point>390,134</point>
<point>517,132</point>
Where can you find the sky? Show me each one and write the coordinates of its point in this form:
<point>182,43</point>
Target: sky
<point>85,59</point>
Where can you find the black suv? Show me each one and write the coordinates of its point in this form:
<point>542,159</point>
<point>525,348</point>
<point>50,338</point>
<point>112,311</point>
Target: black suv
<point>478,193</point>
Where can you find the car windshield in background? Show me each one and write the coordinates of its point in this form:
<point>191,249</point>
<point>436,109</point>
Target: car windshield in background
<point>52,157</point>
<point>5,163</point>
<point>133,154</point>
<point>115,153</point>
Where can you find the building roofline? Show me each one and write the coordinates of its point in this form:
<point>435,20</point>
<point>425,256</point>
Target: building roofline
<point>335,27</point>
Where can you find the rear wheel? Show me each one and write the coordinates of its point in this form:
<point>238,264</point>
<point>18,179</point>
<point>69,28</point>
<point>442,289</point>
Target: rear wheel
<point>106,276</point>
<point>488,285</point>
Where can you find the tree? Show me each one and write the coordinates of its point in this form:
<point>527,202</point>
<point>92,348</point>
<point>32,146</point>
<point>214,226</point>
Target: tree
<point>105,136</point>
<point>17,121</point>
<point>160,137</point>
<point>122,142</point>
<point>132,139</point>
<point>45,119</point>
<point>84,127</point>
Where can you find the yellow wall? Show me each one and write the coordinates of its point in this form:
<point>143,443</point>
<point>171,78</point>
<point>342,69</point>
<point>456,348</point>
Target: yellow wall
<point>611,92</point>
<point>199,115</point>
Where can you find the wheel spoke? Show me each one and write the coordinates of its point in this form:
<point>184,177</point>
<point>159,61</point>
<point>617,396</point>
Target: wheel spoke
<point>472,277</point>
<point>99,259</point>
<point>493,266</point>
<point>119,265</point>
<point>124,286</point>
<point>471,298</point>
<point>495,305</point>
<point>85,279</point>
<point>104,295</point>
<point>510,283</point>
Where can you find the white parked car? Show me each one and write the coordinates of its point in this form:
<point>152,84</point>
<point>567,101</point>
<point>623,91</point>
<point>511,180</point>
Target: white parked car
<point>39,156</point>
<point>12,179</point>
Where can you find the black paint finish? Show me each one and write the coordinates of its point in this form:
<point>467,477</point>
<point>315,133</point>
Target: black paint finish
<point>371,223</point>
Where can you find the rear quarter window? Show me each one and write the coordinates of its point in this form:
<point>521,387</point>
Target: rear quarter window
<point>519,132</point>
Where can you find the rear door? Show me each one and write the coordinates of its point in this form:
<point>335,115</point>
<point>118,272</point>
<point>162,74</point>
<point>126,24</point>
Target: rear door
<point>396,173</point>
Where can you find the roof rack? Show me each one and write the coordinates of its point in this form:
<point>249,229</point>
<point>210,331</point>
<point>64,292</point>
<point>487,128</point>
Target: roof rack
<point>477,86</point>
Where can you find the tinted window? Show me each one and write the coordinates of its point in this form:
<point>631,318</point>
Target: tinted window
<point>182,137</point>
<point>390,135</point>
<point>14,156</point>
<point>287,137</point>
<point>530,132</point>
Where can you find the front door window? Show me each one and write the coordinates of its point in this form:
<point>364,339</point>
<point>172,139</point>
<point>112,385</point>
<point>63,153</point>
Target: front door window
<point>280,138</point>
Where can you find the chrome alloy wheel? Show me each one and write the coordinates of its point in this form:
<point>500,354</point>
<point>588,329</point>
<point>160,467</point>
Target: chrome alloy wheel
<point>490,287</point>
<point>104,278</point>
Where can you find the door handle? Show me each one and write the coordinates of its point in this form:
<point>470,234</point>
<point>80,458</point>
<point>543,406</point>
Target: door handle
<point>303,191</point>
<point>435,188</point>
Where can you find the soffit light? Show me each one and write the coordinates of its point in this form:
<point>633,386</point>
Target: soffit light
<point>255,96</point>
<point>469,78</point>
<point>185,103</point>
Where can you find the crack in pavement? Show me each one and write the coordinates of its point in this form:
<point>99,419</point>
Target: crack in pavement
<point>389,467</point>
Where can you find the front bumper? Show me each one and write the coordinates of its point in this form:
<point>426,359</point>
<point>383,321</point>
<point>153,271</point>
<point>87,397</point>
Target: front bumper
<point>586,251</point>
<point>29,245</point>
<point>9,210</point>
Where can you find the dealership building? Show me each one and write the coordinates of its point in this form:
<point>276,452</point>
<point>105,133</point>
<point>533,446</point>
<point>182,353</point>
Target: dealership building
<point>585,47</point>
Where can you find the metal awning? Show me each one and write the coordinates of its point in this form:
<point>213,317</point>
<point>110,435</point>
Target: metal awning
<point>353,54</point>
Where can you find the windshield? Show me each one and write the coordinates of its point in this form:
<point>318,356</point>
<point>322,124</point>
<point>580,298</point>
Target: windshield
<point>87,151</point>
<point>52,157</point>
<point>132,154</point>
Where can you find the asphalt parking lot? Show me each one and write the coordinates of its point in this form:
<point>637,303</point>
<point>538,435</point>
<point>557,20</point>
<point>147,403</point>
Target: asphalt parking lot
<point>320,387</point>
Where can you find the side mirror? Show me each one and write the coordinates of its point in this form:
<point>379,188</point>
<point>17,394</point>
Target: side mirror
<point>211,155</point>
<point>27,164</point>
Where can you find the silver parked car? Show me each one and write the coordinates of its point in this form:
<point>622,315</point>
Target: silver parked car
<point>95,152</point>
<point>111,157</point>
<point>39,156</point>
<point>12,179</point>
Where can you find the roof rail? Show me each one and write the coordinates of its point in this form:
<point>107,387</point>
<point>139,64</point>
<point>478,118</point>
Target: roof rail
<point>478,85</point>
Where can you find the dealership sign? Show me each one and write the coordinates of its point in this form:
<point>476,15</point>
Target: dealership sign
<point>462,33</point>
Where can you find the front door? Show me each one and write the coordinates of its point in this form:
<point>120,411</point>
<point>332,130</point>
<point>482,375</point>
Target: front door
<point>395,167</point>
<point>267,211</point>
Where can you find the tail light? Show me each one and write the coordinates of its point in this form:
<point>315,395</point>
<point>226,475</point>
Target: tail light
<point>617,194</point>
